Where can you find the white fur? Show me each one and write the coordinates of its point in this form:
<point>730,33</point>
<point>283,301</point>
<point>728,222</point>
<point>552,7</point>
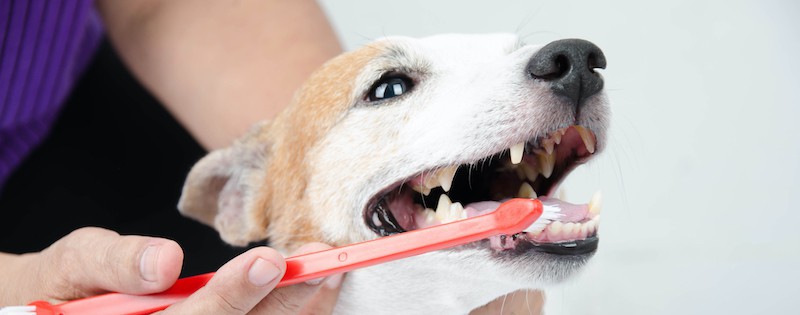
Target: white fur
<point>473,100</point>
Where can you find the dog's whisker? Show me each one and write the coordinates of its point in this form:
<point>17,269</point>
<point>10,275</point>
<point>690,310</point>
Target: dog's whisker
<point>503,306</point>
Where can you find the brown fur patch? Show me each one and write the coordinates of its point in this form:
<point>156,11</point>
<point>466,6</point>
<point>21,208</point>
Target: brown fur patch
<point>322,101</point>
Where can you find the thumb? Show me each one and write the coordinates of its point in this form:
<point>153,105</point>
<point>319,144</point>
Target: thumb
<point>90,261</point>
<point>237,287</point>
<point>316,296</point>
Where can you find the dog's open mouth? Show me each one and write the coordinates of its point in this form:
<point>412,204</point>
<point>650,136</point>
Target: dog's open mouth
<point>533,169</point>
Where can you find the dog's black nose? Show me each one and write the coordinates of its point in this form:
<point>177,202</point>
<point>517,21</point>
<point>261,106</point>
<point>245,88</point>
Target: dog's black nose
<point>568,65</point>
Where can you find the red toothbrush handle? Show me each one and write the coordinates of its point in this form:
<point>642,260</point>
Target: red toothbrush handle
<point>511,217</point>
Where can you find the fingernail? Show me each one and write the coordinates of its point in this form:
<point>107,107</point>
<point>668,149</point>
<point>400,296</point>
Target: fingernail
<point>262,272</point>
<point>316,281</point>
<point>334,281</point>
<point>149,262</point>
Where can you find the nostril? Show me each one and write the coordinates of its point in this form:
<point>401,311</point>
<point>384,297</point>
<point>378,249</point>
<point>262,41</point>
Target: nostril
<point>568,66</point>
<point>551,68</point>
<point>592,62</point>
<point>595,61</point>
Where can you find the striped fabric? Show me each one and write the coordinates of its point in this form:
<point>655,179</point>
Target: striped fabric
<point>44,46</point>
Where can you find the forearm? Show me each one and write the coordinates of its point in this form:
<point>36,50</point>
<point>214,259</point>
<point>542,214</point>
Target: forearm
<point>220,66</point>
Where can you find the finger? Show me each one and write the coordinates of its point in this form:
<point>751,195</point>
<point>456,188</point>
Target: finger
<point>89,261</point>
<point>237,286</point>
<point>325,300</point>
<point>293,299</point>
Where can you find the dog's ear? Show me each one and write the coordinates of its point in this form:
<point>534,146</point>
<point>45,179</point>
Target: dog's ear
<point>221,190</point>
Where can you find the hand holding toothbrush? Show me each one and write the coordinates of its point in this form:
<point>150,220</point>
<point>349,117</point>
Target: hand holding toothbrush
<point>90,261</point>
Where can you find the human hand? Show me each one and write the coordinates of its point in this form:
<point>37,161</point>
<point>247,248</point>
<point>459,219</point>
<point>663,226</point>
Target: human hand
<point>92,261</point>
<point>245,285</point>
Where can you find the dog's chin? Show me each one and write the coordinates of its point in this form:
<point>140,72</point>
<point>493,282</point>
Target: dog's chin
<point>554,247</point>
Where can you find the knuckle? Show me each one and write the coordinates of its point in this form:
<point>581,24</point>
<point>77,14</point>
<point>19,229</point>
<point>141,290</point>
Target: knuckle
<point>226,305</point>
<point>283,301</point>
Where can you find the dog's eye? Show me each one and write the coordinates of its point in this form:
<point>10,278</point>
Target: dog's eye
<point>389,87</point>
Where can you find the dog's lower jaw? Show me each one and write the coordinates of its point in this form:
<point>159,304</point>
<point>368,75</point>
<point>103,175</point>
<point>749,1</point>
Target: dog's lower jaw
<point>425,285</point>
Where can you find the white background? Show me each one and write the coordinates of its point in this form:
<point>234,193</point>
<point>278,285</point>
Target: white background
<point>702,166</point>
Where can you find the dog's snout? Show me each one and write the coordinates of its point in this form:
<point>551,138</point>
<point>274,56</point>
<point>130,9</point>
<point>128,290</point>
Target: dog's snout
<point>569,65</point>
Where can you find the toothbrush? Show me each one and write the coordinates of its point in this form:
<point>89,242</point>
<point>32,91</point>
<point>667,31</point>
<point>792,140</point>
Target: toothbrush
<point>510,217</point>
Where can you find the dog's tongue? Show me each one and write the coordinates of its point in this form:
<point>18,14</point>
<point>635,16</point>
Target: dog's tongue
<point>569,212</point>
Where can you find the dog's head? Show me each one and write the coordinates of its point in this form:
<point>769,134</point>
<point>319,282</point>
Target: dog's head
<point>377,136</point>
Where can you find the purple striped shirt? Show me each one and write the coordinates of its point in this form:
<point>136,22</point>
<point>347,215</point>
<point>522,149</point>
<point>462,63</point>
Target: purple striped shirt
<point>44,47</point>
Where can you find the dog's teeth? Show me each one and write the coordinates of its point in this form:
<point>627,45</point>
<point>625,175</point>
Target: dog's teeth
<point>430,215</point>
<point>583,232</point>
<point>376,220</point>
<point>587,138</point>
<point>570,227</point>
<point>554,229</point>
<point>556,136</point>
<point>546,164</point>
<point>592,225</point>
<point>443,209</point>
<point>446,177</point>
<point>526,191</point>
<point>516,152</point>
<point>457,211</point>
<point>548,146</point>
<point>422,189</point>
<point>596,204</point>
<point>431,181</point>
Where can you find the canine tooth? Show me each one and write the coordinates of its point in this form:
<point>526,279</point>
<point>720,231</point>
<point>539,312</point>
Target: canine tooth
<point>446,177</point>
<point>546,164</point>
<point>526,191</point>
<point>443,209</point>
<point>587,138</point>
<point>548,146</point>
<point>595,205</point>
<point>516,152</point>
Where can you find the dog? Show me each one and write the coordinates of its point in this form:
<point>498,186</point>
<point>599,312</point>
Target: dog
<point>406,133</point>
